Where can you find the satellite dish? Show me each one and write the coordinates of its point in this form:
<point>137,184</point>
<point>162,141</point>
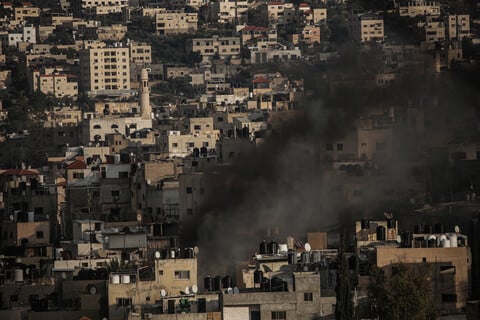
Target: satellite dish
<point>187,290</point>
<point>99,237</point>
<point>229,290</point>
<point>93,290</point>
<point>139,217</point>
<point>399,239</point>
<point>308,247</point>
<point>163,293</point>
<point>64,275</point>
<point>157,255</point>
<point>12,217</point>
<point>194,288</point>
<point>457,229</point>
<point>235,290</point>
<point>27,271</point>
<point>196,250</point>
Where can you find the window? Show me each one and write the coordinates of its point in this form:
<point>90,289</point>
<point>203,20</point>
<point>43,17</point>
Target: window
<point>308,296</point>
<point>279,315</point>
<point>190,212</point>
<point>340,146</point>
<point>115,193</point>
<point>40,234</point>
<point>124,302</point>
<point>182,274</point>
<point>160,272</point>
<point>174,145</point>
<point>189,190</point>
<point>78,175</point>
<point>197,127</point>
<point>449,297</point>
<point>13,298</point>
<point>329,147</point>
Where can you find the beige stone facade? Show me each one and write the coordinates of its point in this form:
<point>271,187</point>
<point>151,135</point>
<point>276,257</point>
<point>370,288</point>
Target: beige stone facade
<point>105,69</point>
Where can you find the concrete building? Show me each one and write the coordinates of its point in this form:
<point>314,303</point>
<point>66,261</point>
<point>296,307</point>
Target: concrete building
<point>115,32</point>
<point>175,22</point>
<point>97,7</point>
<point>140,53</point>
<point>367,27</point>
<point>24,34</point>
<point>310,36</point>
<point>458,26</point>
<point>435,29</point>
<point>220,46</point>
<point>174,144</point>
<point>419,8</point>
<point>165,279</point>
<point>234,12</point>
<point>25,12</point>
<point>54,81</point>
<point>280,13</point>
<point>104,70</point>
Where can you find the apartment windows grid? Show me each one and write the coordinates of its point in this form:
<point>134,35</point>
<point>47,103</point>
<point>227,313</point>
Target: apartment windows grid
<point>279,315</point>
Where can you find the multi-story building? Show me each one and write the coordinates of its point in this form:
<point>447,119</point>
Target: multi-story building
<point>310,36</point>
<point>140,53</point>
<point>26,11</point>
<point>458,26</point>
<point>167,279</point>
<point>249,33</point>
<point>434,29</point>
<point>419,8</point>
<point>175,22</point>
<point>366,27</point>
<point>105,69</point>
<point>220,46</point>
<point>280,13</point>
<point>232,11</point>
<point>115,32</point>
<point>97,7</point>
<point>446,254</point>
<point>54,81</point>
<point>174,144</point>
<point>25,34</point>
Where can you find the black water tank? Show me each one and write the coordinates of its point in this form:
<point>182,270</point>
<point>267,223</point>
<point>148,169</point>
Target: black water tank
<point>188,253</point>
<point>173,242</point>
<point>391,223</point>
<point>418,229</point>
<point>428,228</point>
<point>263,247</point>
<point>266,284</point>
<point>217,283</point>
<point>406,240</point>
<point>208,283</point>
<point>365,222</point>
<point>227,282</point>
<point>292,257</point>
<point>257,276</point>
<point>171,306</point>
<point>439,228</point>
<point>381,233</point>
<point>202,305</point>
<point>273,247</point>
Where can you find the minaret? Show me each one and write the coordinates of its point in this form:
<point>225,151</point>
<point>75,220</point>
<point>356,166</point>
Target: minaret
<point>144,92</point>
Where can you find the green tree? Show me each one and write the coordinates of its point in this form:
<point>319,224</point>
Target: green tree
<point>344,306</point>
<point>406,294</point>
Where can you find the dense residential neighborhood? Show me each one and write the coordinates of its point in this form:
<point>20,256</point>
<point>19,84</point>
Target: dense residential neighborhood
<point>224,160</point>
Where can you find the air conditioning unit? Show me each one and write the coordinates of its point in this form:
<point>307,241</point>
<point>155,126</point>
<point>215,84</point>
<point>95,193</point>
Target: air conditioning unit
<point>147,316</point>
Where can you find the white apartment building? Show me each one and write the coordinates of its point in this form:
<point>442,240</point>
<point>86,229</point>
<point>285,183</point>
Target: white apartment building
<point>105,69</point>
<point>25,34</point>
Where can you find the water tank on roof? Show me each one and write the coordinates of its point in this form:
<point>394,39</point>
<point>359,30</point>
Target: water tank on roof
<point>208,283</point>
<point>257,276</point>
<point>292,257</point>
<point>263,247</point>
<point>453,240</point>
<point>18,275</point>
<point>273,247</point>
<point>380,233</point>
<point>217,283</point>
<point>115,279</point>
<point>125,278</point>
<point>365,223</point>
<point>439,228</point>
